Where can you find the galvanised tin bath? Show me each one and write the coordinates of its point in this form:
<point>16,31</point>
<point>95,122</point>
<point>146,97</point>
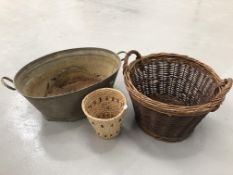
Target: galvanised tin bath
<point>56,83</point>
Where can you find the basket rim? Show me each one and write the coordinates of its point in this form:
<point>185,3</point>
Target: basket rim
<point>103,119</point>
<point>172,109</point>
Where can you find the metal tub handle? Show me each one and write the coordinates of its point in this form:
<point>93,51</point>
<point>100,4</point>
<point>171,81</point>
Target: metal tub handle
<point>4,79</point>
<point>121,52</point>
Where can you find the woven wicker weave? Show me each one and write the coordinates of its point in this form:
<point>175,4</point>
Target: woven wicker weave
<point>104,109</point>
<point>172,93</point>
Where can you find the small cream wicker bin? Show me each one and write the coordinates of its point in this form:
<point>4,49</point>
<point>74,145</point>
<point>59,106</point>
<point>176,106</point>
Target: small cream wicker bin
<point>104,109</point>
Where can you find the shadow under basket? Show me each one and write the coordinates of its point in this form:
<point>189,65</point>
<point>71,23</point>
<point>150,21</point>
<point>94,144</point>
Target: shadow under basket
<point>172,93</point>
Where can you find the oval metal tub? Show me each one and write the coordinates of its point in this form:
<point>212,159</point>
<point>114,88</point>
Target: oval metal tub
<point>56,83</point>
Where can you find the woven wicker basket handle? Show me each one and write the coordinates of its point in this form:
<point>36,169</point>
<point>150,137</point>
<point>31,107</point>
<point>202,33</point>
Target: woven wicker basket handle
<point>223,89</point>
<point>138,56</point>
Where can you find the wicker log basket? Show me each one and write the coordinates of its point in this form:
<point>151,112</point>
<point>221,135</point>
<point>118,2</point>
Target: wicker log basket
<point>172,93</point>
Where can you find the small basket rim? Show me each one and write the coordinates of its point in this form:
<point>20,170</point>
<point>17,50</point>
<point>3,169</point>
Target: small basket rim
<point>104,119</point>
<point>172,109</point>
